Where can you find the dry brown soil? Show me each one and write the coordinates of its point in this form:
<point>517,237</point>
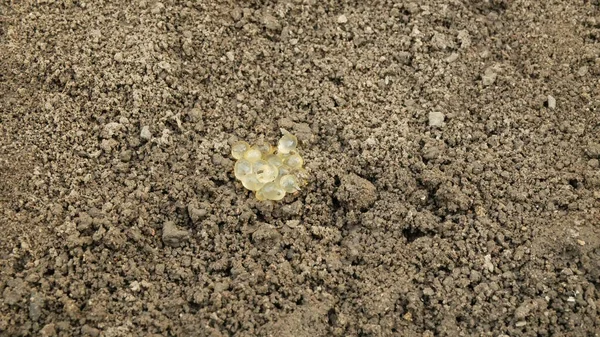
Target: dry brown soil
<point>120,216</point>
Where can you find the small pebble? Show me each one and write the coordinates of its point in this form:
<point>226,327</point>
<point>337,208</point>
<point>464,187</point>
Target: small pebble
<point>342,19</point>
<point>453,57</point>
<point>271,22</point>
<point>489,77</point>
<point>48,330</point>
<point>134,286</point>
<point>36,304</point>
<point>145,134</point>
<point>436,118</point>
<point>551,102</point>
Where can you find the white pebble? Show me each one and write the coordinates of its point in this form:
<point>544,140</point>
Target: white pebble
<point>146,134</point>
<point>551,102</point>
<point>489,77</point>
<point>342,19</point>
<point>436,118</point>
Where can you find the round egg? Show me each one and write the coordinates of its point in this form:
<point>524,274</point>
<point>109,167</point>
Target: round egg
<point>251,182</point>
<point>238,149</point>
<point>264,171</point>
<point>272,191</point>
<point>253,154</point>
<point>294,161</point>
<point>242,168</point>
<point>274,160</point>
<point>289,183</point>
<point>287,142</point>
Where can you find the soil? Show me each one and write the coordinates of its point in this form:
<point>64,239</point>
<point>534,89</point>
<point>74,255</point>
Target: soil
<point>453,150</point>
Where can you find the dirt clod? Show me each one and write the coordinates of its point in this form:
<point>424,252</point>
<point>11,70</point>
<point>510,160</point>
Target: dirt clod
<point>173,236</point>
<point>356,192</point>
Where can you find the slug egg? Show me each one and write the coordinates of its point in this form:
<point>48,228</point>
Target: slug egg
<point>272,191</point>
<point>252,155</point>
<point>294,161</point>
<point>251,182</point>
<point>284,170</point>
<point>264,171</point>
<point>287,143</point>
<point>238,149</point>
<point>289,183</point>
<point>274,160</point>
<point>242,168</point>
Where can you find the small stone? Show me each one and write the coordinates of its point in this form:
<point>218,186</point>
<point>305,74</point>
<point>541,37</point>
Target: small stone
<point>342,19</point>
<point>236,14</point>
<point>125,156</point>
<point>436,119</point>
<point>173,236</point>
<point>108,144</point>
<point>145,134</point>
<point>158,7</point>
<point>230,55</point>
<point>520,324</point>
<point>271,22</point>
<point>582,71</point>
<point>118,57</point>
<point>111,129</point>
<point>36,304</point>
<point>49,330</point>
<point>489,77</point>
<point>464,38</point>
<point>439,41</point>
<point>428,291</point>
<point>593,150</point>
<point>453,57</point>
<point>487,264</point>
<point>523,311</point>
<point>551,102</point>
<point>134,286</point>
<point>581,242</point>
<point>90,331</point>
<point>11,297</point>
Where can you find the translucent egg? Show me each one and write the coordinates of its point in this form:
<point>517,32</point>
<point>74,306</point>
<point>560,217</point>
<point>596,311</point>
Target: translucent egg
<point>238,149</point>
<point>272,191</point>
<point>294,161</point>
<point>289,183</point>
<point>284,170</point>
<point>264,171</point>
<point>287,143</point>
<point>252,155</point>
<point>242,168</point>
<point>274,160</point>
<point>251,182</point>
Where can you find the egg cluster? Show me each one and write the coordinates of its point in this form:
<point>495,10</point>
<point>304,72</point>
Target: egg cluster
<point>269,172</point>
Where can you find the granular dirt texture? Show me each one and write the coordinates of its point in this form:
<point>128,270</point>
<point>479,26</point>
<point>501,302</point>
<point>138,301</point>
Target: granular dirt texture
<point>120,214</point>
